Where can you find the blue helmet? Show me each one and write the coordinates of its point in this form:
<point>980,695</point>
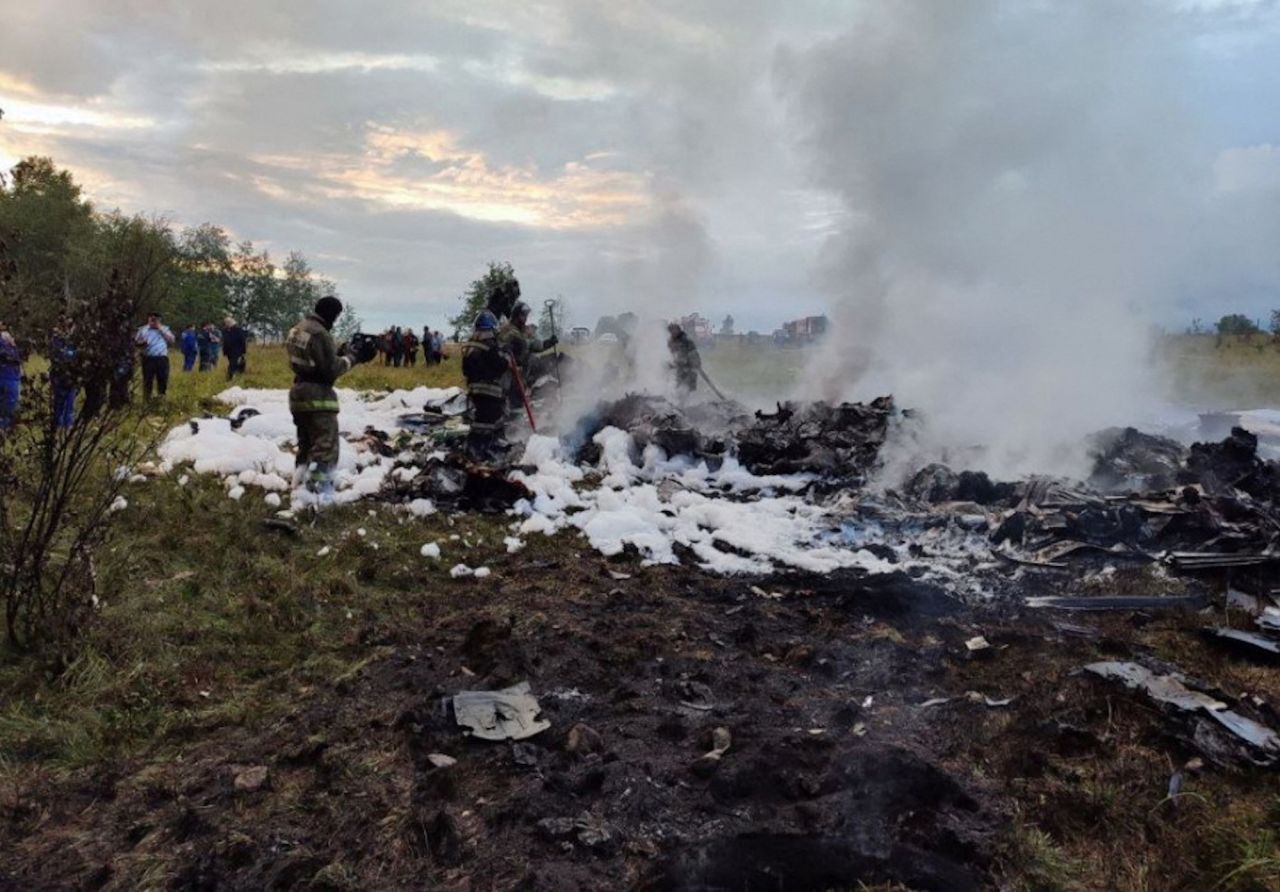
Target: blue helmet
<point>486,321</point>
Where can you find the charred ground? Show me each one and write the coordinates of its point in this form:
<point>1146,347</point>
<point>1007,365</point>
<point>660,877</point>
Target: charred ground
<point>270,718</point>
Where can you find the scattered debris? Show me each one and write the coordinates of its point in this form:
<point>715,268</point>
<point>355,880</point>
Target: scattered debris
<point>584,740</point>
<point>1251,645</point>
<point>508,714</point>
<point>440,760</point>
<point>281,525</point>
<point>1120,602</point>
<point>251,780</point>
<point>706,765</point>
<point>588,829</point>
<point>1125,459</point>
<point>453,480</point>
<point>1254,741</point>
<point>1243,601</point>
<point>990,702</point>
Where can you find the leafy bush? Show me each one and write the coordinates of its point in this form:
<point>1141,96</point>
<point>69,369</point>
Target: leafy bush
<point>60,478</point>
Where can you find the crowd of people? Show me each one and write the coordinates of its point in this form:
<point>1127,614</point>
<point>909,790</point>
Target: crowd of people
<point>147,348</point>
<point>201,346</point>
<point>399,346</point>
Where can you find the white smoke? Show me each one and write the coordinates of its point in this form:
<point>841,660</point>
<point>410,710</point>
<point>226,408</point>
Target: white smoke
<point>1023,190</point>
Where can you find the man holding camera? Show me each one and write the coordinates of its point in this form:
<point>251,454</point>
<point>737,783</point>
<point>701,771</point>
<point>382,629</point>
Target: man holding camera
<point>317,364</point>
<point>155,339</point>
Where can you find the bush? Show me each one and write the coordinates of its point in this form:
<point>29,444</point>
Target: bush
<point>61,477</point>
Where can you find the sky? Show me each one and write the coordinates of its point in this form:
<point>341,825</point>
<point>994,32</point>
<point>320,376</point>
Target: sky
<point>660,155</point>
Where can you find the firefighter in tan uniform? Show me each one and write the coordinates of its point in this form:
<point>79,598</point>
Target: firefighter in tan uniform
<point>317,364</point>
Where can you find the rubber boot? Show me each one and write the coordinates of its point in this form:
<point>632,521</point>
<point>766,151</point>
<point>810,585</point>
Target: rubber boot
<point>320,482</point>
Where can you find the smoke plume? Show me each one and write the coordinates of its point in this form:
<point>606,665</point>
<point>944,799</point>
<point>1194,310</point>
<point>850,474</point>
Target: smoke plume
<point>1022,189</point>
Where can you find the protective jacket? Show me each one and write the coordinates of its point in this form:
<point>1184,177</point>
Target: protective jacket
<point>316,365</point>
<point>484,364</point>
<point>685,360</point>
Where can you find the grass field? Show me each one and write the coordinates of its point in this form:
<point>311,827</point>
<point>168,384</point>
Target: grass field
<point>216,629</point>
<point>1202,371</point>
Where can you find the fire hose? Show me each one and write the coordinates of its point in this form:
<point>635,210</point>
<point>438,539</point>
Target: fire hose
<point>711,384</point>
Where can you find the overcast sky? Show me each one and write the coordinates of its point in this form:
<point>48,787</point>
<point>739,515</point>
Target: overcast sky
<point>634,153</point>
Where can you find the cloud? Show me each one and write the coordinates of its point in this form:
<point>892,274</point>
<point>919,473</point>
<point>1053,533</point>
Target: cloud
<point>620,154</point>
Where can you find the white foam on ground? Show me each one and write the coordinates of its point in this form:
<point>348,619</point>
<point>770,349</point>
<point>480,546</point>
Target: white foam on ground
<point>655,504</point>
<point>730,520</point>
<point>261,452</point>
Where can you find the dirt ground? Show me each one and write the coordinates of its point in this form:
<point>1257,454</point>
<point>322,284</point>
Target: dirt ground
<point>837,774</point>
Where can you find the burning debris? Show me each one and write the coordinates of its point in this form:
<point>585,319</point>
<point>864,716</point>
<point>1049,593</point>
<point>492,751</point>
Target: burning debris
<point>840,442</point>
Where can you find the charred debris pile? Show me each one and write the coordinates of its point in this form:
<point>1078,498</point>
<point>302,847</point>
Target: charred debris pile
<point>837,443</point>
<point>1215,505</point>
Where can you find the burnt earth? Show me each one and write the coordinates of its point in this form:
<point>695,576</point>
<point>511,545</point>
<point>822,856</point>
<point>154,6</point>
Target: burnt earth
<point>843,767</point>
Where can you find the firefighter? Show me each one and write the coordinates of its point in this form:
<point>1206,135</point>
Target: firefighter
<point>686,363</point>
<point>485,365</point>
<point>317,364</point>
<point>521,344</point>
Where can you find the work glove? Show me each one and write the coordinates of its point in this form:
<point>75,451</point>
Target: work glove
<point>550,342</point>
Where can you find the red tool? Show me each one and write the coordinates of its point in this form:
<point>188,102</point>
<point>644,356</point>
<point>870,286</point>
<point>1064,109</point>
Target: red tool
<point>524,394</point>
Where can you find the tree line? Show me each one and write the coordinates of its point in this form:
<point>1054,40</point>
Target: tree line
<point>63,252</point>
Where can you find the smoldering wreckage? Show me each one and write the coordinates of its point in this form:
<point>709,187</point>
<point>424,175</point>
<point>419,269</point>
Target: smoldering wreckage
<point>846,690</point>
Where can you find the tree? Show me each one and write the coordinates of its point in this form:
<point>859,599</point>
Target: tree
<point>726,327</point>
<point>252,289</point>
<point>203,283</point>
<point>295,295</point>
<point>140,254</point>
<point>348,323</point>
<point>48,227</point>
<point>62,255</point>
<point>1236,324</point>
<point>551,319</point>
<point>497,282</point>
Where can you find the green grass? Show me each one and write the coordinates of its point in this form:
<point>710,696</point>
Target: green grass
<point>1201,371</point>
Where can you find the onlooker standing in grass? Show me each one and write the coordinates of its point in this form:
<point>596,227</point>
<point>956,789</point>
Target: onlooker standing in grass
<point>397,347</point>
<point>215,345</point>
<point>155,339</point>
<point>10,378</point>
<point>190,343</point>
<point>235,345</point>
<point>208,341</point>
